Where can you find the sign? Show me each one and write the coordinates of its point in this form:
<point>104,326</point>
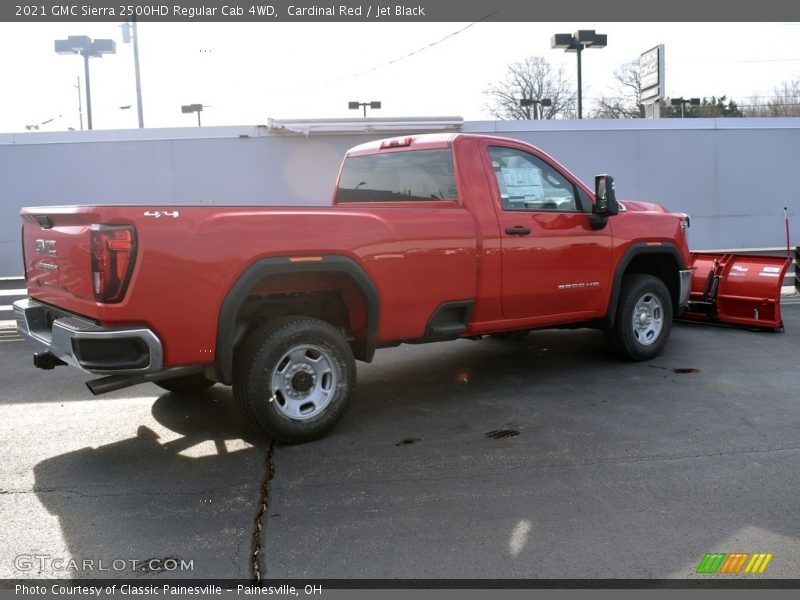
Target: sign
<point>651,74</point>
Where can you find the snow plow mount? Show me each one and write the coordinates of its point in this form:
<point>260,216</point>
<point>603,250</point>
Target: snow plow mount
<point>737,289</point>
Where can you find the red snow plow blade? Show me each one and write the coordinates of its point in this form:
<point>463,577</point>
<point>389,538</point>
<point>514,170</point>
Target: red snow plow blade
<point>737,289</point>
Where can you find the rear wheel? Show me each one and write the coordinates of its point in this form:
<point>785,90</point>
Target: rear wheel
<point>186,384</point>
<point>293,378</point>
<point>643,320</point>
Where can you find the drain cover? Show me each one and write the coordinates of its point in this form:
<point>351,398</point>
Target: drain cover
<point>502,433</point>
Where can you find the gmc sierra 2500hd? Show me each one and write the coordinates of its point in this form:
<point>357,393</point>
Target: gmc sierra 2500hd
<point>429,237</point>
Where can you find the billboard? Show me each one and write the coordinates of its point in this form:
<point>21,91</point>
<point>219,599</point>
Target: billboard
<point>651,74</point>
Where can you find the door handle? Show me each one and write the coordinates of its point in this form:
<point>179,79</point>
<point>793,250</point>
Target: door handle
<point>518,230</point>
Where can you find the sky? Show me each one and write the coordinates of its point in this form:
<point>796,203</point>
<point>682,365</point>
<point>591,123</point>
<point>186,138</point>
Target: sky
<point>245,73</point>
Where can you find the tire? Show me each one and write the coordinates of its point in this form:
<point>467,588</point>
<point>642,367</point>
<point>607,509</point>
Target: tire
<point>644,318</point>
<point>293,378</point>
<point>187,384</point>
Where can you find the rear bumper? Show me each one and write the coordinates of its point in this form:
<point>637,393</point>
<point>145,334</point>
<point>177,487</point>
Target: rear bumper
<point>84,344</point>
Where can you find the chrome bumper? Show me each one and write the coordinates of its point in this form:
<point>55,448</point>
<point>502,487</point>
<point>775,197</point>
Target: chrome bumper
<point>685,287</point>
<point>86,345</point>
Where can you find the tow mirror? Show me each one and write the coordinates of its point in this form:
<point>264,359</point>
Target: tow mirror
<point>605,198</point>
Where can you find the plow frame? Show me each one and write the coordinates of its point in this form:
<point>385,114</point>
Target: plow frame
<point>737,289</point>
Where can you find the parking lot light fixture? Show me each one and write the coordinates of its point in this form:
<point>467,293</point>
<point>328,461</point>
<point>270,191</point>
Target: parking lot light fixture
<point>576,42</point>
<point>683,102</point>
<point>193,108</point>
<point>537,104</point>
<point>87,48</point>
<point>374,105</point>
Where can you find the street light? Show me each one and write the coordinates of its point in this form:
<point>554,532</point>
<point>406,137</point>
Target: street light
<point>576,42</point>
<point>190,108</point>
<point>523,102</point>
<point>35,126</point>
<point>87,48</point>
<point>356,105</point>
<point>683,102</point>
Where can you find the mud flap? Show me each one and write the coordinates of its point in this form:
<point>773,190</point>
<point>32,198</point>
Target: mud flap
<point>737,289</point>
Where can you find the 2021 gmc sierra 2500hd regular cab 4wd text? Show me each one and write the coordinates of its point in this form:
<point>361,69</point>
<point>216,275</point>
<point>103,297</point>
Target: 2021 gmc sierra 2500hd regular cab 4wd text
<point>430,237</point>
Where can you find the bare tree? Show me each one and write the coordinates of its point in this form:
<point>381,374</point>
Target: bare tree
<point>534,79</point>
<point>787,99</point>
<point>785,102</point>
<point>755,106</point>
<point>626,103</point>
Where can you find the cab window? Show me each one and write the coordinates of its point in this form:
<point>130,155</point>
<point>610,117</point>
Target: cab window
<point>526,182</point>
<point>416,175</point>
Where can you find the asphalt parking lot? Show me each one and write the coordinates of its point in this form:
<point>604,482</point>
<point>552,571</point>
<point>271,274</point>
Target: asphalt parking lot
<point>542,458</point>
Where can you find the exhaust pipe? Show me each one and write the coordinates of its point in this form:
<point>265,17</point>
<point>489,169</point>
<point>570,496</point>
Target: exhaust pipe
<point>118,382</point>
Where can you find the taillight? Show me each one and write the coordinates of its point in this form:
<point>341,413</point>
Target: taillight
<point>113,256</point>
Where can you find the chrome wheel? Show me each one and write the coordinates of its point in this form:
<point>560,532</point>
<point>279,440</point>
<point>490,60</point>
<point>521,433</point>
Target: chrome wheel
<point>648,319</point>
<point>303,381</point>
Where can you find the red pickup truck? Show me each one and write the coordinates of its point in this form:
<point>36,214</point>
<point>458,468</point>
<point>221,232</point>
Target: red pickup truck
<point>430,237</point>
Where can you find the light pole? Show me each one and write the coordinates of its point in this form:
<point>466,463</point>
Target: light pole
<point>523,102</point>
<point>87,48</point>
<point>127,34</point>
<point>576,42</point>
<point>80,108</point>
<point>190,108</point>
<point>356,105</point>
<point>684,102</point>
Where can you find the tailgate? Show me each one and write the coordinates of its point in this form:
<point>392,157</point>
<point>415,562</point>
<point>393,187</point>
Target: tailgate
<point>72,261</point>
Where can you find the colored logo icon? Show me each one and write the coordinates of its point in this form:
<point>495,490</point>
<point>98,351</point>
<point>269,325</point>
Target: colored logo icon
<point>734,563</point>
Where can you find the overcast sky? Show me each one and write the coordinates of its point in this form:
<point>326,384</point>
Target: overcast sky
<point>246,73</point>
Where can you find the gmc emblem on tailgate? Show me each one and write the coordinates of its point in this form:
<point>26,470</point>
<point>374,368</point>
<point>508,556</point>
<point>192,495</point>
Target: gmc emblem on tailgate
<point>46,247</point>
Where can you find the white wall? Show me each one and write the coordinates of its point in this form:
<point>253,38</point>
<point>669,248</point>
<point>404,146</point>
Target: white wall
<point>734,176</point>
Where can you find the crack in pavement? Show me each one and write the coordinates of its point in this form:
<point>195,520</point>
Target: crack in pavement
<point>257,558</point>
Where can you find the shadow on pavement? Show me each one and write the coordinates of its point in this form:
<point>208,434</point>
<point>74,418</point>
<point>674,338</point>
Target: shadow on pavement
<point>192,498</point>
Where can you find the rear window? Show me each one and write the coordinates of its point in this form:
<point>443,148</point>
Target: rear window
<point>398,177</point>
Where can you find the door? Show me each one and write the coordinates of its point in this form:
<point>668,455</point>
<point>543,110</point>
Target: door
<point>554,265</point>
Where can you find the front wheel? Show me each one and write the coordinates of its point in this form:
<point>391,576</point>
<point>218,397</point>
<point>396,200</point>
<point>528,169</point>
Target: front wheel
<point>643,320</point>
<point>293,378</point>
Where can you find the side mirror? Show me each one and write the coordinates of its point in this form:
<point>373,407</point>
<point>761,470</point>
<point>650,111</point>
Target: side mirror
<point>605,197</point>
